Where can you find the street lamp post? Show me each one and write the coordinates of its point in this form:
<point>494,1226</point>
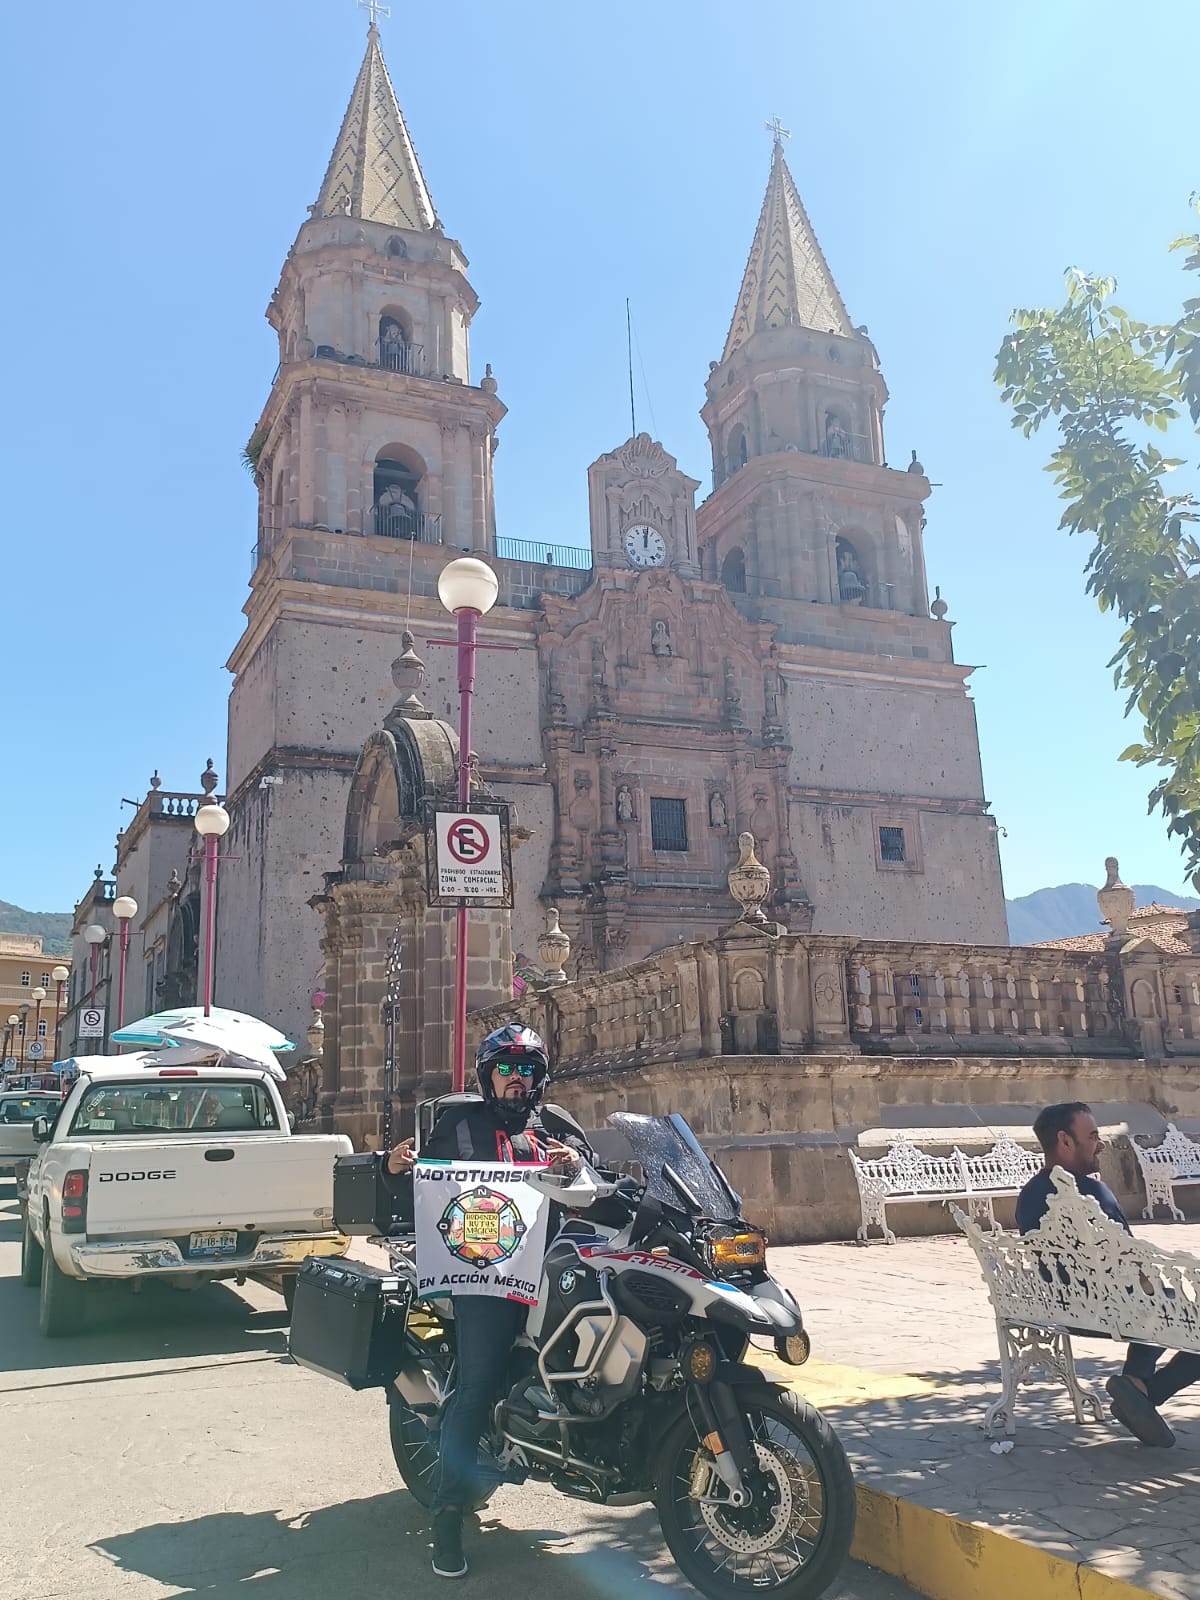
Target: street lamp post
<point>95,936</point>
<point>10,1033</point>
<point>24,1021</point>
<point>467,588</point>
<point>60,975</point>
<point>212,824</point>
<point>39,995</point>
<point>125,907</point>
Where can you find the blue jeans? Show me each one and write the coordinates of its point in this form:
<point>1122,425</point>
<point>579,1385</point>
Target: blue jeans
<point>1183,1369</point>
<point>485,1330</point>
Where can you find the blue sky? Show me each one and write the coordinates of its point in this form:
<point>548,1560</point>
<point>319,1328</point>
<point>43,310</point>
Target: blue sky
<point>955,160</point>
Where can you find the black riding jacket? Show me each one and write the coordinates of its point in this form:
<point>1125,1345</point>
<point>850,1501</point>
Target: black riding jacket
<point>472,1131</point>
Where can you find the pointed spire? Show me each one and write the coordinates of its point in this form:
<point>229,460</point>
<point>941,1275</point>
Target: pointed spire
<point>374,172</point>
<point>787,282</point>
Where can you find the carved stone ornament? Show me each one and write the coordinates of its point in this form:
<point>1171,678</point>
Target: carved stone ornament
<point>625,811</point>
<point>1116,900</point>
<point>660,638</point>
<point>1079,1270</point>
<point>554,948</point>
<point>718,812</point>
<point>749,881</point>
<point>644,457</point>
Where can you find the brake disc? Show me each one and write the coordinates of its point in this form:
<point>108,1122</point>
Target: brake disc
<point>716,1514</point>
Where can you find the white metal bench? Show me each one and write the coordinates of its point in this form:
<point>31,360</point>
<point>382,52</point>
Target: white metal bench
<point>906,1174</point>
<point>1173,1163</point>
<point>1080,1273</point>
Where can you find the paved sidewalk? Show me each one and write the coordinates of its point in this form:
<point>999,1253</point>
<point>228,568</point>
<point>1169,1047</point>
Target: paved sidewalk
<point>905,1362</point>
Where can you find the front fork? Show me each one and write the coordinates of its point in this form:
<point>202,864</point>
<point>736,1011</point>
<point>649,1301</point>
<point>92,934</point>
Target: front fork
<point>726,1436</point>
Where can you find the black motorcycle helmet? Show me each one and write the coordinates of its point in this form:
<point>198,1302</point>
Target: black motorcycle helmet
<point>518,1044</point>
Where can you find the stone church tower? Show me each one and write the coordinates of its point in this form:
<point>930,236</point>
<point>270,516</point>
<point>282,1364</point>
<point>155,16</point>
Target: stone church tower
<point>765,661</point>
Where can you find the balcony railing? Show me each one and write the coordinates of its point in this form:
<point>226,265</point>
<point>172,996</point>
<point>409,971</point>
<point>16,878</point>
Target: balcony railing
<point>847,447</point>
<point>407,358</point>
<point>396,522</point>
<point>546,555</point>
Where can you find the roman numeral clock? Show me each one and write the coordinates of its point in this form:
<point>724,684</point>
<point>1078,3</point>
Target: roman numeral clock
<point>644,545</point>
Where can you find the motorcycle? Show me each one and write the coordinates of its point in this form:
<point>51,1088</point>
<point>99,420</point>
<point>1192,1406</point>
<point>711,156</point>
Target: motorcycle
<point>629,1382</point>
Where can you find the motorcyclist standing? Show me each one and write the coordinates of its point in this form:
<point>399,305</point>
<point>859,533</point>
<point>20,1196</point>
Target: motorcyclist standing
<point>512,1066</point>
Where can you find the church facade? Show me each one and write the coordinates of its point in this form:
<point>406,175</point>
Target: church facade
<point>765,660</point>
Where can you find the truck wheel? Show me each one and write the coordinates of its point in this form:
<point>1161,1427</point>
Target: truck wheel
<point>61,1308</point>
<point>31,1255</point>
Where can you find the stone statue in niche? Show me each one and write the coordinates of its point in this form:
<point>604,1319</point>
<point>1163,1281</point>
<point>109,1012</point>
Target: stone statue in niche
<point>660,638</point>
<point>391,336</point>
<point>851,588</point>
<point>718,816</point>
<point>837,440</point>
<point>625,811</point>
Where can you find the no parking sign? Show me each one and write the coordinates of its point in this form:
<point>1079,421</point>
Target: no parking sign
<point>469,863</point>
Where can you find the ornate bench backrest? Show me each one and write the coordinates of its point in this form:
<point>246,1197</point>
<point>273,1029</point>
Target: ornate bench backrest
<point>1080,1270</point>
<point>1005,1166</point>
<point>907,1170</point>
<point>1176,1151</point>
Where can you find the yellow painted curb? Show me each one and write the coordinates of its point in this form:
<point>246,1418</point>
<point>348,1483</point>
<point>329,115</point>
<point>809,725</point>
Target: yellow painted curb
<point>947,1559</point>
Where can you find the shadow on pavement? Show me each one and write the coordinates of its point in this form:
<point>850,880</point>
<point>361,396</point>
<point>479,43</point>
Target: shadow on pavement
<point>366,1547</point>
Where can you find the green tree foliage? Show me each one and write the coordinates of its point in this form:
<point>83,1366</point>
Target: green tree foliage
<point>1111,384</point>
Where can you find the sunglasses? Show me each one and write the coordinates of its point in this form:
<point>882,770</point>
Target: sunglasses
<point>507,1068</point>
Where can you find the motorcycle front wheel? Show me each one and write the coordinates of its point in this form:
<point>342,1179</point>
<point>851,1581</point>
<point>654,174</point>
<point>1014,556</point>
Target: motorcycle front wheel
<point>791,1541</point>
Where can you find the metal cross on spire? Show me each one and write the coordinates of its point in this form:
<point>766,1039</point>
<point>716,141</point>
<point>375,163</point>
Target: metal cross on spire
<point>374,10</point>
<point>775,127</point>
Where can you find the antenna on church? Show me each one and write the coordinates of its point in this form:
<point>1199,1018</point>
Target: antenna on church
<point>629,352</point>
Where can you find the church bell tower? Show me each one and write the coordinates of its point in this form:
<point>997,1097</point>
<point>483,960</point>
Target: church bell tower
<point>373,464</point>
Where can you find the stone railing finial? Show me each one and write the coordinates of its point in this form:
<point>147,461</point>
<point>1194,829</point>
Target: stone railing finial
<point>554,948</point>
<point>1116,900</point>
<point>749,881</point>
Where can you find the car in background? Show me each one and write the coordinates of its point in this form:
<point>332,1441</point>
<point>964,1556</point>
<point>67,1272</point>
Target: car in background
<point>18,1113</point>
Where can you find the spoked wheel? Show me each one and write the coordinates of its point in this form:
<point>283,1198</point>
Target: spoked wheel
<point>793,1537</point>
<point>414,1449</point>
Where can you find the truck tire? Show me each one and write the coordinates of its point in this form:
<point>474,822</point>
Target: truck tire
<point>31,1255</point>
<point>62,1304</point>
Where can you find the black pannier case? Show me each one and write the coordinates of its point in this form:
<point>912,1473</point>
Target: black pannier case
<point>363,1204</point>
<point>348,1322</point>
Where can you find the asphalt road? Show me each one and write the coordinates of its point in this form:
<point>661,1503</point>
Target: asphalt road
<point>173,1449</point>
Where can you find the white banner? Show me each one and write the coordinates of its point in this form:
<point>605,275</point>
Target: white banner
<point>481,1229</point>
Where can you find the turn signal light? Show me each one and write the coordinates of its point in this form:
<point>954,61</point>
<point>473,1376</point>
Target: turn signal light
<point>740,1250</point>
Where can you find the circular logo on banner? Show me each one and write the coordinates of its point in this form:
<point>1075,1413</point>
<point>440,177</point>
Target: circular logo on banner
<point>468,841</point>
<point>481,1227</point>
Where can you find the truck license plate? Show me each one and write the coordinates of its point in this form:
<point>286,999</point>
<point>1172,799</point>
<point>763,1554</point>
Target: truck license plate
<point>221,1242</point>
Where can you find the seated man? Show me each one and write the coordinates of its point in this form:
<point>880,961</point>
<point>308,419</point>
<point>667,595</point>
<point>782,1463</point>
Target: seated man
<point>1070,1139</point>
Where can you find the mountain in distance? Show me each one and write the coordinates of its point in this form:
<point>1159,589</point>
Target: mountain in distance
<point>54,927</point>
<point>1071,909</point>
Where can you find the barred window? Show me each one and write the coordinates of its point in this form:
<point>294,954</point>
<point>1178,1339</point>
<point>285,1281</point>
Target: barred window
<point>668,824</point>
<point>891,844</point>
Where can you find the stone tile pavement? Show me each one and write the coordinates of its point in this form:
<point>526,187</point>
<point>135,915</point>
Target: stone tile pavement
<point>905,1361</point>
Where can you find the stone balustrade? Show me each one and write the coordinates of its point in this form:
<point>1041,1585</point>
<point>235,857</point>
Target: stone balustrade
<point>756,994</point>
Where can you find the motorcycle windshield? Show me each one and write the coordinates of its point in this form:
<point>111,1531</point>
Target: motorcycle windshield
<point>677,1171</point>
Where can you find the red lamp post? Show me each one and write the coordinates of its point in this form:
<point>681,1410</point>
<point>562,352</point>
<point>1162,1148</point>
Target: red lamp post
<point>10,1033</point>
<point>60,975</point>
<point>212,824</point>
<point>125,908</point>
<point>467,588</point>
<point>39,995</point>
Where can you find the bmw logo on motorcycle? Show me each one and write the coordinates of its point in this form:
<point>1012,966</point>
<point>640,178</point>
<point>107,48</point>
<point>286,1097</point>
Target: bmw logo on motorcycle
<point>566,1283</point>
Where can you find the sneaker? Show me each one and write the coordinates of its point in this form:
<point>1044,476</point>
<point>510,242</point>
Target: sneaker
<point>1136,1412</point>
<point>448,1558</point>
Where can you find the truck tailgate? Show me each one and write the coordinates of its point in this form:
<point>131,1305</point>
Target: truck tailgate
<point>157,1189</point>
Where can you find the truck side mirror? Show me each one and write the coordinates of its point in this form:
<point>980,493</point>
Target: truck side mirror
<point>42,1129</point>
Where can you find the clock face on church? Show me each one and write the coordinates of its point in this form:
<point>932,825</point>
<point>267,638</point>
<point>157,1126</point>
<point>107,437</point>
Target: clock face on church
<point>644,546</point>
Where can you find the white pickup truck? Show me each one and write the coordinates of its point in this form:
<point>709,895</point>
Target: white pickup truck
<point>182,1173</point>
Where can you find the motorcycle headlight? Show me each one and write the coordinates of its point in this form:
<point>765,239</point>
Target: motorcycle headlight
<point>737,1250</point>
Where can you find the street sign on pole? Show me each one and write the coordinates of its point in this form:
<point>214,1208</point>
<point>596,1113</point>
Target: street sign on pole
<point>91,1023</point>
<point>468,858</point>
<point>11,1063</point>
<point>36,1050</point>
